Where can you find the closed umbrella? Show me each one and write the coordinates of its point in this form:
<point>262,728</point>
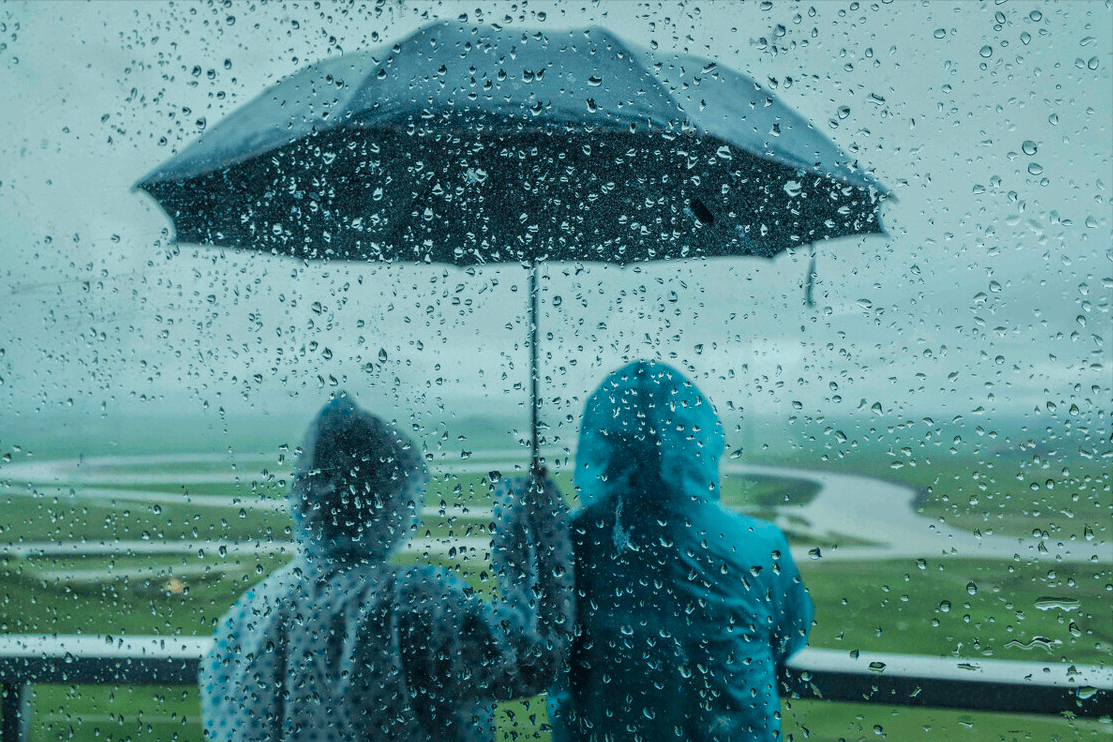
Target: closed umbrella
<point>473,145</point>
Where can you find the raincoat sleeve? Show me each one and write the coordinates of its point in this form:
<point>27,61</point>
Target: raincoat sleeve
<point>456,646</point>
<point>792,606</point>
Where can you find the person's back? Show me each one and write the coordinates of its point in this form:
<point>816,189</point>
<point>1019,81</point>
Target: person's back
<point>684,607</point>
<point>343,645</point>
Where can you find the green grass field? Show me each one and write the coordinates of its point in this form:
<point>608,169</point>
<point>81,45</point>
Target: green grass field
<point>942,606</point>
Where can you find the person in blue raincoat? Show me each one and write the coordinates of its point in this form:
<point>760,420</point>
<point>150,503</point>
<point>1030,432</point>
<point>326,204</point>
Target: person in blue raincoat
<point>343,645</point>
<point>684,608</point>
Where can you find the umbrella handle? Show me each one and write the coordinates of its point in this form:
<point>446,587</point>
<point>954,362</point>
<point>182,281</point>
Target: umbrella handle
<point>535,465</point>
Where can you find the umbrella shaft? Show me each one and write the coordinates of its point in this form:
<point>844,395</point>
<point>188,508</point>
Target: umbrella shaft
<point>533,374</point>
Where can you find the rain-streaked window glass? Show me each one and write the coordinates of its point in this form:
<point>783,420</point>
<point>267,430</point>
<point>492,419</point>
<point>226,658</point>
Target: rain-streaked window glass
<point>781,304</point>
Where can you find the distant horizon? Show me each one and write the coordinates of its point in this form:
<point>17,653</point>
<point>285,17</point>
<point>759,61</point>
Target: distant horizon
<point>1032,425</point>
<point>801,416</point>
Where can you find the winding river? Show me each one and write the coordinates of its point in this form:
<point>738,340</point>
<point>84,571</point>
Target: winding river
<point>868,509</point>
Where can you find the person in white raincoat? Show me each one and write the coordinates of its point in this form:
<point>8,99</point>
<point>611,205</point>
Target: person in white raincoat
<point>344,645</point>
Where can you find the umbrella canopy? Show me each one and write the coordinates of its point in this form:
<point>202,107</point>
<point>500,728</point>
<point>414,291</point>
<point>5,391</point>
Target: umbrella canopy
<point>469,145</point>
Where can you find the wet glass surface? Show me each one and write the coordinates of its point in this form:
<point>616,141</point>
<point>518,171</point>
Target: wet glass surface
<point>924,414</point>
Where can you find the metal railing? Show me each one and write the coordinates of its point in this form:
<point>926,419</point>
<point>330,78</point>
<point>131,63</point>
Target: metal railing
<point>894,679</point>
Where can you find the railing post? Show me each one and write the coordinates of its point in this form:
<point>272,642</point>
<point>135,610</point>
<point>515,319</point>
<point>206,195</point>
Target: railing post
<point>15,725</point>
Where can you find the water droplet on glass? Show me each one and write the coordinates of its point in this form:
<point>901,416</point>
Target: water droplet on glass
<point>986,51</point>
<point>1048,603</point>
<point>1029,147</point>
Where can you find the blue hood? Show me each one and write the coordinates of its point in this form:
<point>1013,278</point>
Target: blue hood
<point>648,432</point>
<point>358,485</point>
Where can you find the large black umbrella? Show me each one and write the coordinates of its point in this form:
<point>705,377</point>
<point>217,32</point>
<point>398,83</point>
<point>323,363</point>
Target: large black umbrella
<point>473,145</point>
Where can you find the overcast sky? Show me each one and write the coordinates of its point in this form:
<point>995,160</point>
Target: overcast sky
<point>989,122</point>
